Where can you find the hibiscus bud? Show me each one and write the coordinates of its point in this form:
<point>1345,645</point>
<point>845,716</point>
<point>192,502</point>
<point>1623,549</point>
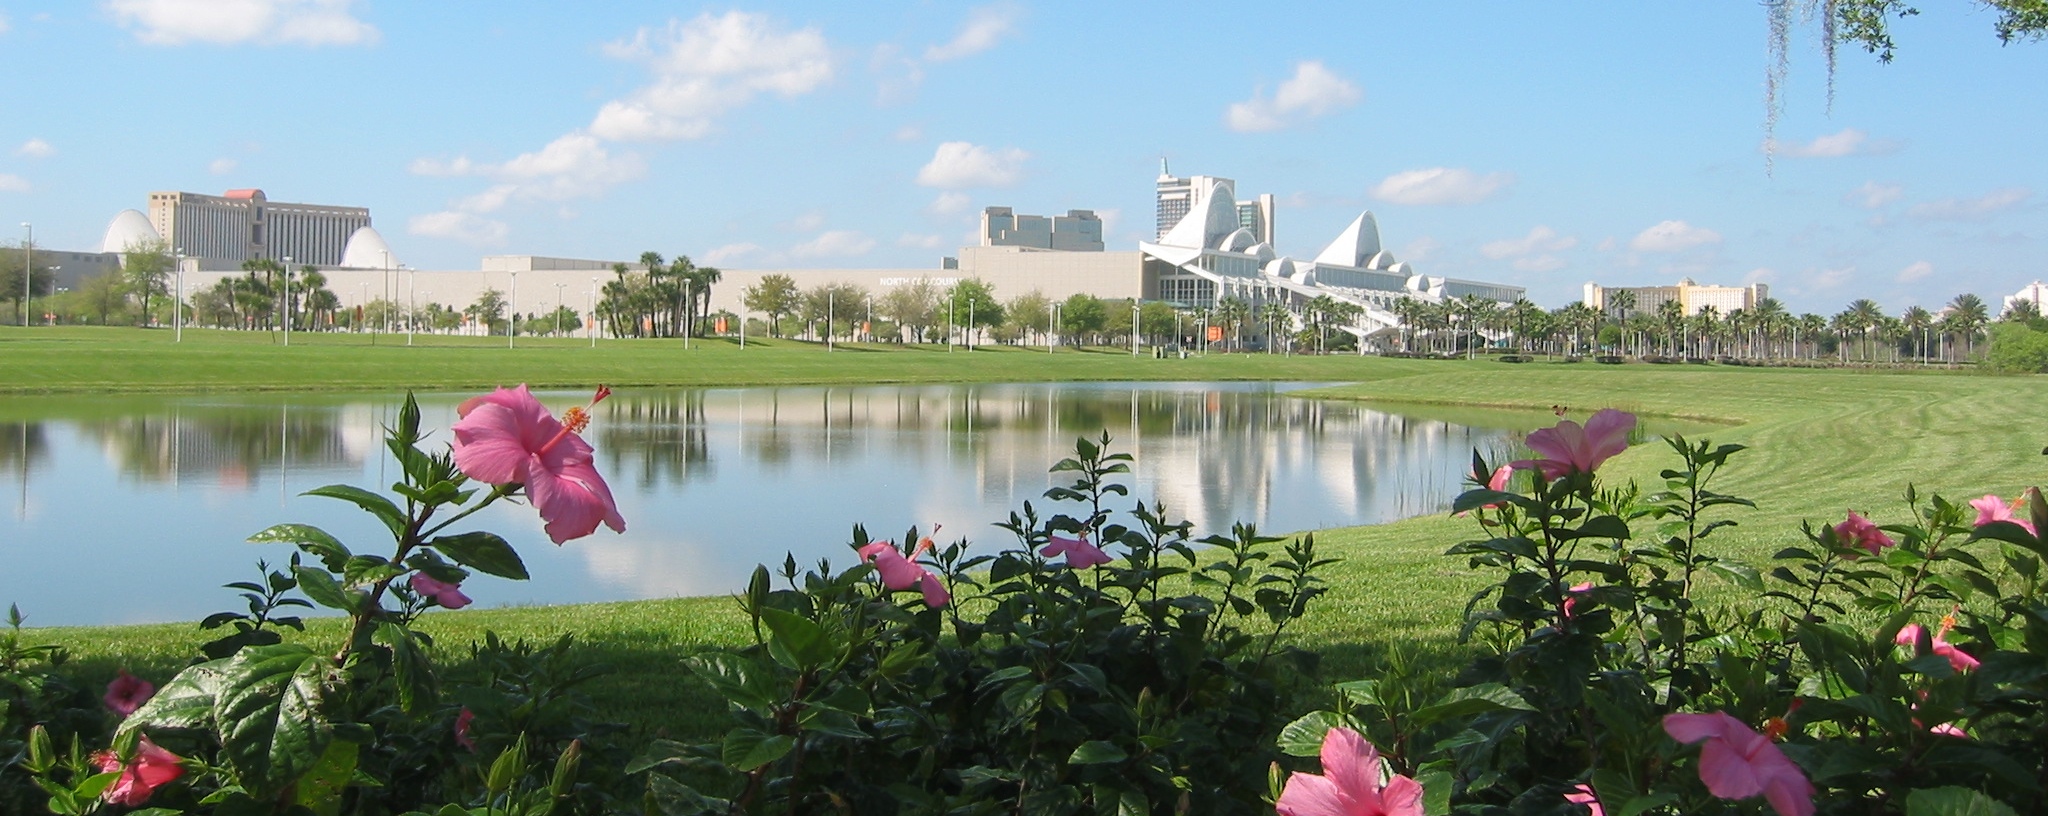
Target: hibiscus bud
<point>566,766</point>
<point>41,755</point>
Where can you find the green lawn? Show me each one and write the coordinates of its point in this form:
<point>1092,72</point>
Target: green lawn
<point>1823,441</point>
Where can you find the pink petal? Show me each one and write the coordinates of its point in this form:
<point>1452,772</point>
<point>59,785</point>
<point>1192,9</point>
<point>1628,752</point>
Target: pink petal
<point>1957,659</point>
<point>1499,481</point>
<point>1401,797</point>
<point>897,572</point>
<point>1561,443</point>
<point>573,500</point>
<point>934,589</point>
<point>1991,508</point>
<point>1727,774</point>
<point>1311,795</point>
<point>1787,788</point>
<point>1583,795</point>
<point>1607,435</point>
<point>1690,728</point>
<point>127,693</point>
<point>1909,635</point>
<point>490,446</point>
<point>1551,469</point>
<point>1352,763</point>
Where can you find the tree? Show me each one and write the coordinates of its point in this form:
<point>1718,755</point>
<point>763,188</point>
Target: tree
<point>147,265</point>
<point>1231,312</point>
<point>974,304</point>
<point>775,295</point>
<point>487,310</point>
<point>912,305</point>
<point>41,283</point>
<point>103,295</point>
<point>836,304</point>
<point>1028,313</point>
<point>1278,320</point>
<point>1967,317</point>
<point>1082,315</point>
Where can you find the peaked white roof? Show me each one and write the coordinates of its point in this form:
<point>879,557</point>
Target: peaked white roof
<point>1206,227</point>
<point>1354,245</point>
<point>129,228</point>
<point>366,250</point>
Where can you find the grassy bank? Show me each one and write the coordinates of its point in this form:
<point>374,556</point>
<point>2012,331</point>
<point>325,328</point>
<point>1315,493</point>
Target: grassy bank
<point>1822,442</point>
<point>97,360</point>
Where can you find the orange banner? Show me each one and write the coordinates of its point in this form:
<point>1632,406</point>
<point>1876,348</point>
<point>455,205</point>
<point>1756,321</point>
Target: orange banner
<point>720,324</point>
<point>1215,333</point>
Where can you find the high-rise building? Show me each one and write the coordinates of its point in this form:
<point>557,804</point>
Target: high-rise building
<point>1077,231</point>
<point>1691,297</point>
<point>1179,196</point>
<point>241,225</point>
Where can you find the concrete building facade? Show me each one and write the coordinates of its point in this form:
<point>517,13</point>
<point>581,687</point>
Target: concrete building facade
<point>1077,231</point>
<point>1690,296</point>
<point>241,225</point>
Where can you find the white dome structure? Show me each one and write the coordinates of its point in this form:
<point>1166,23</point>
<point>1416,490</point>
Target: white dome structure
<point>366,250</point>
<point>129,228</point>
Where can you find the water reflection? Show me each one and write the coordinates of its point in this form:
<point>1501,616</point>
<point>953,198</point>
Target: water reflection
<point>710,481</point>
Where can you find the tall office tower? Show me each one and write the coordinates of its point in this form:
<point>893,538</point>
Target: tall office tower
<point>1257,216</point>
<point>242,224</point>
<point>1180,196</point>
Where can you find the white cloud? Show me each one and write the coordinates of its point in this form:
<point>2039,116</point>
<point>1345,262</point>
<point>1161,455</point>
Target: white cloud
<point>35,149</point>
<point>1971,209</point>
<point>1849,142</point>
<point>805,222</point>
<point>949,203</point>
<point>1606,244</point>
<point>834,244</point>
<point>1873,195</point>
<point>577,165</point>
<point>1539,263</point>
<point>1761,274</point>
<point>909,133</point>
<point>1831,278</point>
<point>3,24</point>
<point>222,167</point>
<point>1441,185</point>
<point>730,252</point>
<point>1421,249</point>
<point>1918,270</point>
<point>910,239</point>
<point>232,22</point>
<point>958,165</point>
<point>1539,240</point>
<point>10,183</point>
<point>1313,91</point>
<point>1672,236</point>
<point>985,27</point>
<point>461,226</point>
<point>706,67</point>
<point>897,76</point>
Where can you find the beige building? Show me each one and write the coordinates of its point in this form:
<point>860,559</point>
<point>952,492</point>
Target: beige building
<point>225,230</point>
<point>1690,296</point>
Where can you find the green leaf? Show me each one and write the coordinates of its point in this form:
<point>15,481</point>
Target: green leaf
<point>1470,701</point>
<point>186,701</point>
<point>746,749</point>
<point>1743,575</point>
<point>410,666</point>
<point>323,589</point>
<point>1304,737</point>
<point>796,641</point>
<point>483,552</point>
<point>1954,801</point>
<point>320,789</point>
<point>272,729</point>
<point>313,540</point>
<point>1436,790</point>
<point>738,679</point>
<point>1096,752</point>
<point>377,505</point>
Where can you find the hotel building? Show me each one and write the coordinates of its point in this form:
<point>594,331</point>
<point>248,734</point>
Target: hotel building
<point>223,231</point>
<point>1689,295</point>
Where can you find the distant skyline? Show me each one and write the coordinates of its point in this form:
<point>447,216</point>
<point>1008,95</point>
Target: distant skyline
<point>1540,145</point>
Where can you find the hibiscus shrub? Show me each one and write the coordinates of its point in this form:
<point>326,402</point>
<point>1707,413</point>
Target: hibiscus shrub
<point>262,725</point>
<point>1138,674</point>
<point>1832,685</point>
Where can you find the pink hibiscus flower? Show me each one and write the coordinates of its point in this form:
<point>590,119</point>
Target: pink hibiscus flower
<point>448,595</point>
<point>127,693</point>
<point>463,739</point>
<point>900,572</point>
<point>1862,532</point>
<point>1957,659</point>
<point>1992,508</point>
<point>1738,763</point>
<point>150,769</point>
<point>1571,597</point>
<point>1080,554</point>
<point>1568,448</point>
<point>1350,784</point>
<point>1583,795</point>
<point>507,437</point>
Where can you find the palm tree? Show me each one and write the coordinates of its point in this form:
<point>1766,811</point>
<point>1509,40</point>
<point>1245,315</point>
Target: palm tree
<point>1967,316</point>
<point>1772,318</point>
<point>1232,311</point>
<point>1670,318</point>
<point>1917,321</point>
<point>1621,303</point>
<point>1865,315</point>
<point>1273,313</point>
<point>1522,315</point>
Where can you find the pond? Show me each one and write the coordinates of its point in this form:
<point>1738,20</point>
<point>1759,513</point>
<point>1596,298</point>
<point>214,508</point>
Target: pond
<point>135,509</point>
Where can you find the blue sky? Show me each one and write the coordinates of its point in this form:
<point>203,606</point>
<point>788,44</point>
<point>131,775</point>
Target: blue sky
<point>1544,144</point>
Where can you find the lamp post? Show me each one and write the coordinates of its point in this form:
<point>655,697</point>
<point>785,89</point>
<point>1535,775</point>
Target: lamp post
<point>689,313</point>
<point>178,303</point>
<point>558,307</point>
<point>285,304</point>
<point>412,298</point>
<point>590,313</point>
<point>969,336</point>
<point>1134,327</point>
<point>28,268</point>
<point>512,310</point>
<point>949,319</point>
<point>830,295</point>
<point>867,327</point>
<point>1052,322</point>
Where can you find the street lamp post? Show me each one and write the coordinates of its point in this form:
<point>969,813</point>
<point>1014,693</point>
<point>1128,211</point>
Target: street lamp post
<point>590,313</point>
<point>512,310</point>
<point>1052,321</point>
<point>689,313</point>
<point>1134,327</point>
<point>830,301</point>
<point>285,303</point>
<point>558,307</point>
<point>28,268</point>
<point>412,301</point>
<point>178,303</point>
